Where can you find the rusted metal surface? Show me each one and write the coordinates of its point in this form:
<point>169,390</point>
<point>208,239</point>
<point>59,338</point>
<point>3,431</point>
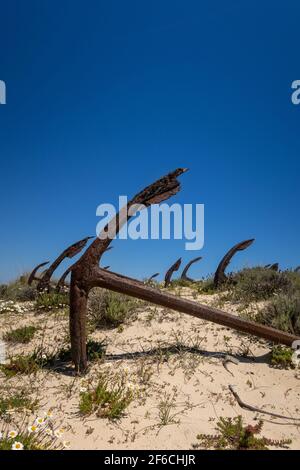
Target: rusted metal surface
<point>220,276</point>
<point>187,267</point>
<point>170,272</point>
<point>86,274</point>
<point>134,288</point>
<point>61,282</point>
<point>32,276</point>
<point>70,252</point>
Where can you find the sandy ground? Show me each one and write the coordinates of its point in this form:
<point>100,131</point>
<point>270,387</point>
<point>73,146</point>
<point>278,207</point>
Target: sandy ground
<point>190,386</point>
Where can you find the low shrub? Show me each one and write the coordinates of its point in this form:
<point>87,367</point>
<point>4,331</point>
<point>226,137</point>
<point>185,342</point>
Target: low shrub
<point>281,356</point>
<point>20,335</point>
<point>51,300</point>
<point>232,434</point>
<point>18,290</point>
<point>254,284</point>
<point>39,359</point>
<point>108,308</point>
<point>206,286</point>
<point>106,400</point>
<point>282,312</point>
<point>16,402</point>
<point>21,365</point>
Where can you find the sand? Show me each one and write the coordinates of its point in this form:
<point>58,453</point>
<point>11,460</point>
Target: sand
<point>179,393</point>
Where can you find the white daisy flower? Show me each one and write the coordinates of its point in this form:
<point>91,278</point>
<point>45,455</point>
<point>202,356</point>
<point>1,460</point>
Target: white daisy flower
<point>58,433</point>
<point>17,446</point>
<point>32,428</point>
<point>12,434</point>
<point>39,421</point>
<point>83,389</point>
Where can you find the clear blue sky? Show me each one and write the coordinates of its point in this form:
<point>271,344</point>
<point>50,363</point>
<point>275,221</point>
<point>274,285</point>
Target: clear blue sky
<point>105,97</point>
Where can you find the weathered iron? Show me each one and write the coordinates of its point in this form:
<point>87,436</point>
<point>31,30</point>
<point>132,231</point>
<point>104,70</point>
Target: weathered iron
<point>32,276</point>
<point>61,282</point>
<point>220,276</point>
<point>184,272</point>
<point>86,274</point>
<point>170,272</point>
<point>274,267</point>
<point>70,252</point>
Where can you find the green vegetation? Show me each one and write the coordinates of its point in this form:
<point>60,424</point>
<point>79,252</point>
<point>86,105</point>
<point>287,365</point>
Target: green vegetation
<point>51,300</point>
<point>206,286</point>
<point>232,434</point>
<point>26,436</point>
<point>18,290</point>
<point>32,363</point>
<point>21,365</point>
<point>254,284</point>
<point>20,335</point>
<point>110,309</point>
<point>282,312</point>
<point>107,401</point>
<point>281,356</point>
<point>16,402</point>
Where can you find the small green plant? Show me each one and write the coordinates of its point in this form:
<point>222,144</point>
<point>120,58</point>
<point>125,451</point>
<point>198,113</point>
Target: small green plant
<point>281,356</point>
<point>51,300</point>
<point>16,402</point>
<point>166,409</point>
<point>232,434</point>
<point>20,335</point>
<point>21,365</point>
<point>108,308</point>
<point>95,350</point>
<point>106,400</point>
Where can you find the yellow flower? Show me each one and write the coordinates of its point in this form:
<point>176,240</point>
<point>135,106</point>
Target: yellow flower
<point>40,421</point>
<point>12,434</point>
<point>17,446</point>
<point>32,428</point>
